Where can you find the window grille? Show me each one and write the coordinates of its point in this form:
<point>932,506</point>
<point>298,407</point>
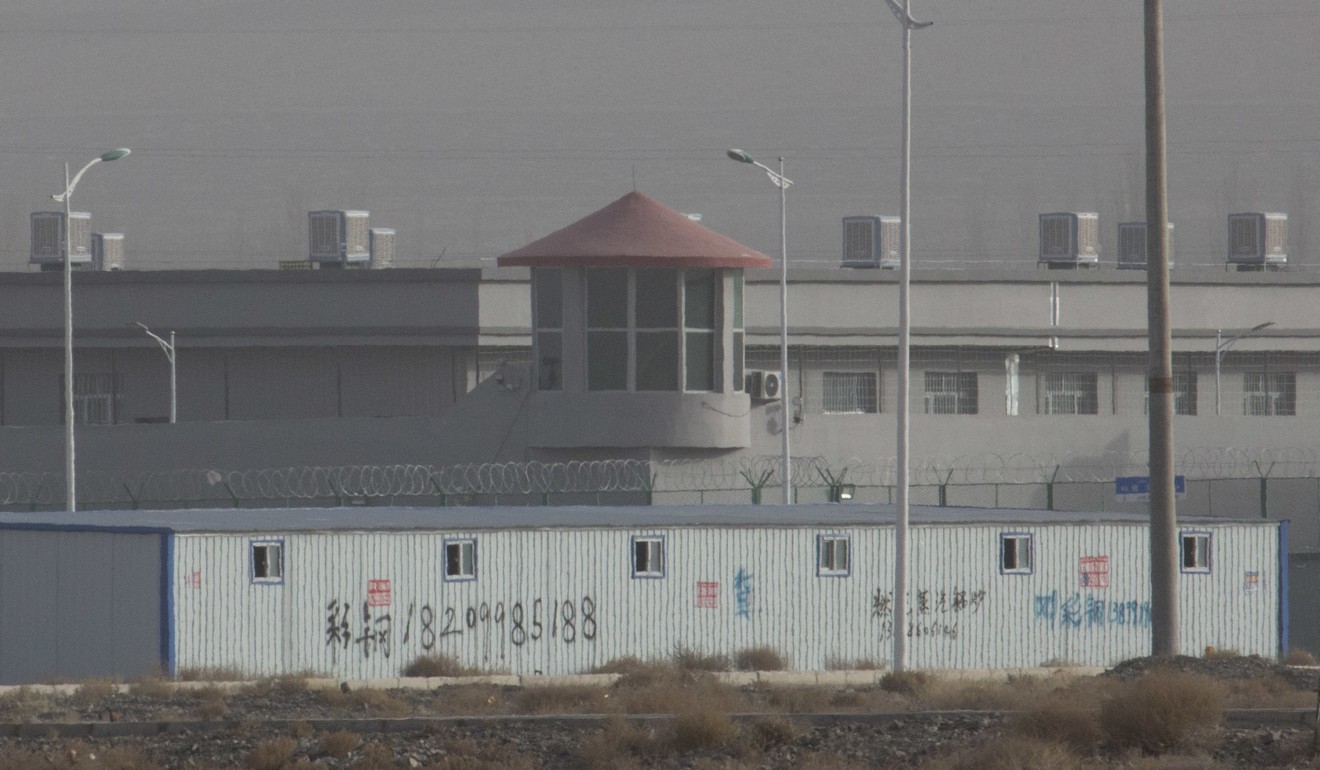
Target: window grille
<point>850,392</point>
<point>951,393</point>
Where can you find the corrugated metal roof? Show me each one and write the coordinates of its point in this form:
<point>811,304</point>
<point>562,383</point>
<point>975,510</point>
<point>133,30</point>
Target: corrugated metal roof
<point>546,517</point>
<point>635,231</point>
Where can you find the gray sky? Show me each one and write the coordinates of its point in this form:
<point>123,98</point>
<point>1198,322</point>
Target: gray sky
<point>475,126</point>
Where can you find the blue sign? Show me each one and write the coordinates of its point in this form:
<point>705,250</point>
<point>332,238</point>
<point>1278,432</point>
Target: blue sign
<point>1136,489</point>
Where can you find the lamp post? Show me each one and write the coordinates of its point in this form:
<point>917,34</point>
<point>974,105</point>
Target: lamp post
<point>66,197</point>
<point>1222,346</point>
<point>783,183</point>
<point>901,546</point>
<point>168,347</point>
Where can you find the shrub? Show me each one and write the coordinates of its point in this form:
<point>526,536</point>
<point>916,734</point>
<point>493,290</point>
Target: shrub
<point>1063,719</point>
<point>688,659</point>
<point>1215,653</point>
<point>701,728</point>
<point>1162,711</point>
<point>770,732</point>
<point>212,674</point>
<point>626,665</point>
<point>437,665</point>
<point>271,755</point>
<point>212,708</point>
<point>616,745</point>
<point>833,663</point>
<point>760,659</point>
<point>338,744</point>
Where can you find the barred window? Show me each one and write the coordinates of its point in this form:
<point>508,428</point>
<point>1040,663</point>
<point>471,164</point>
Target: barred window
<point>951,393</point>
<point>1273,393</point>
<point>851,393</point>
<point>1070,393</point>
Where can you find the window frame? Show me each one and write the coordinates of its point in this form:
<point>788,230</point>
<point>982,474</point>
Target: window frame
<point>871,390</point>
<point>1194,536</point>
<point>461,576</point>
<point>1185,393</point>
<point>827,542</point>
<point>1018,569</point>
<point>1080,388</point>
<point>1270,393</point>
<point>548,372</point>
<point>962,396</point>
<point>267,544</point>
<point>655,544</point>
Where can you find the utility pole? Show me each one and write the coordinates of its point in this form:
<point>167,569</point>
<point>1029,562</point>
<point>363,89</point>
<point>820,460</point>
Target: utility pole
<point>1163,516</point>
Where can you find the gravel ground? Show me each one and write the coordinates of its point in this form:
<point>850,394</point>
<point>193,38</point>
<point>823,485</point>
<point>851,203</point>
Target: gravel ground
<point>280,726</point>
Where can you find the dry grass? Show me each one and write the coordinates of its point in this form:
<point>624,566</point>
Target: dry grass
<point>1014,752</point>
<point>271,755</point>
<point>338,744</point>
<point>619,744</point>
<point>467,700</point>
<point>94,691</point>
<point>913,684</point>
<point>370,702</point>
<point>153,687</point>
<point>669,690</point>
<point>700,727</point>
<point>766,733</point>
<point>1218,653</point>
<point>853,664</point>
<point>212,674</point>
<point>628,664</point>
<point>1266,692</point>
<point>688,659</point>
<point>212,708</point>
<point>1176,762</point>
<point>761,658</point>
<point>1299,657</point>
<point>1062,718</point>
<point>558,700</point>
<point>1163,711</point>
<point>438,665</point>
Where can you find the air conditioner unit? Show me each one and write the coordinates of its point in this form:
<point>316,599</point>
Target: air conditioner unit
<point>1132,245</point>
<point>871,242</point>
<point>1069,239</point>
<point>338,236</point>
<point>765,385</point>
<point>382,247</point>
<point>107,251</point>
<point>48,238</point>
<point>1257,240</point>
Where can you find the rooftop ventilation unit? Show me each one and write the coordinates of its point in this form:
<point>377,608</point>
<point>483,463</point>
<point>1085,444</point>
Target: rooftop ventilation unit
<point>1069,239</point>
<point>338,238</point>
<point>871,242</point>
<point>48,239</point>
<point>382,247</point>
<point>1258,241</point>
<point>1132,245</point>
<point>107,251</point>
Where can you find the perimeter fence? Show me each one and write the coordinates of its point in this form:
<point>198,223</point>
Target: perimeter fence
<point>1219,482</point>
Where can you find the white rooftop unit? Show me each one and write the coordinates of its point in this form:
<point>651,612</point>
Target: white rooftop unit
<point>871,242</point>
<point>48,238</point>
<point>339,237</point>
<point>1257,240</point>
<point>107,251</point>
<point>1132,245</point>
<point>382,247</point>
<point>1069,239</point>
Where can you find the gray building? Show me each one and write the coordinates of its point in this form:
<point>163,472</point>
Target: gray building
<point>360,594</point>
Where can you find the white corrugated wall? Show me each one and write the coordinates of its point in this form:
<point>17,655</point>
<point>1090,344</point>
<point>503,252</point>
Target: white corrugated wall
<point>564,601</point>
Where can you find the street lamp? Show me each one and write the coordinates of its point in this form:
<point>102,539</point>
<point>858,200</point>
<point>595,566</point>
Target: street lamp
<point>783,183</point>
<point>168,347</point>
<point>1221,347</point>
<point>901,547</point>
<point>66,197</point>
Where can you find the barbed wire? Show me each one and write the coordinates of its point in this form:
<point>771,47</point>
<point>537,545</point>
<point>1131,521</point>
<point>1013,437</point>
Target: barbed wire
<point>464,483</point>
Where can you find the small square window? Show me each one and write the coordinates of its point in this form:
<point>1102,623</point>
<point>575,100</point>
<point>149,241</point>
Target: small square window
<point>268,561</point>
<point>1195,552</point>
<point>648,557</point>
<point>1015,554</point>
<point>460,559</point>
<point>833,555</point>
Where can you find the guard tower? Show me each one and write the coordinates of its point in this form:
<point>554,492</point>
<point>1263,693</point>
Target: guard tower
<point>638,338</point>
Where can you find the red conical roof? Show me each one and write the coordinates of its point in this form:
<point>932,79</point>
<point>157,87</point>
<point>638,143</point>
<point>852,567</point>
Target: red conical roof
<point>635,231</point>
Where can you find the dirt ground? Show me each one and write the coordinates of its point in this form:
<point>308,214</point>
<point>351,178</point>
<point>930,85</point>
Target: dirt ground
<point>284,724</point>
